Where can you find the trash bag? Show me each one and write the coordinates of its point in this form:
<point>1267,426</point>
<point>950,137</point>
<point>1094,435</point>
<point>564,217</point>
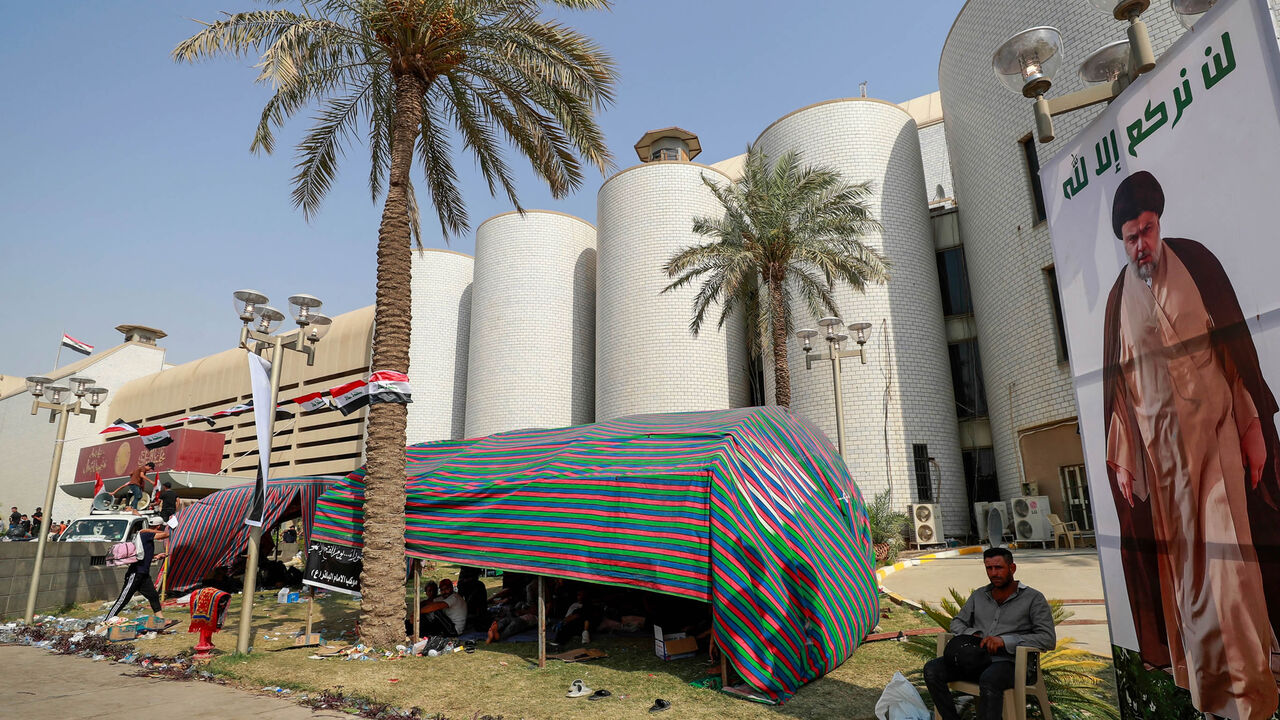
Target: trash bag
<point>901,701</point>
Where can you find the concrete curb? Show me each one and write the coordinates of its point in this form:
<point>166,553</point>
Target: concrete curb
<point>883,572</point>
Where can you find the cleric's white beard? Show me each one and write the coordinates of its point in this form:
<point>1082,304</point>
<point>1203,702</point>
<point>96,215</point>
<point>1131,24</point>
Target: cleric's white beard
<point>1145,271</point>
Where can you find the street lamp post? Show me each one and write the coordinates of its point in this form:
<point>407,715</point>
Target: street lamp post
<point>259,320</point>
<point>1027,62</point>
<point>835,338</point>
<point>81,387</point>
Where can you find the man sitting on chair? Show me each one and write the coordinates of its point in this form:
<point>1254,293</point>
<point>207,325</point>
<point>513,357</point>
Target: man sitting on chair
<point>1000,616</point>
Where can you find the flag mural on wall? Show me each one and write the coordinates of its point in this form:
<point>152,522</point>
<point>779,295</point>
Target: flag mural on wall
<point>743,509</point>
<point>1161,213</point>
<point>71,343</point>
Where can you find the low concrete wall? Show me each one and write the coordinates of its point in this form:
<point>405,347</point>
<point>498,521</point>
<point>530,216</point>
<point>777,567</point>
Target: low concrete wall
<point>66,576</point>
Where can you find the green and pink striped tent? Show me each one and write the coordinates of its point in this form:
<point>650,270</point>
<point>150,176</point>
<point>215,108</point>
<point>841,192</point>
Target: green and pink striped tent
<point>751,510</point>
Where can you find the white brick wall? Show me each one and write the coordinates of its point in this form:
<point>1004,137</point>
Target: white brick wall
<point>646,359</point>
<point>903,394</point>
<point>937,163</point>
<point>532,350</point>
<point>1005,249</point>
<point>438,345</point>
<point>26,440</point>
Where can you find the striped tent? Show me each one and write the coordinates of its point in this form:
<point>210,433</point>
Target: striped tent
<point>211,532</point>
<point>747,509</point>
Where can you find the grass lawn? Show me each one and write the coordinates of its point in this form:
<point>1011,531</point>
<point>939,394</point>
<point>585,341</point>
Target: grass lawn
<point>503,679</point>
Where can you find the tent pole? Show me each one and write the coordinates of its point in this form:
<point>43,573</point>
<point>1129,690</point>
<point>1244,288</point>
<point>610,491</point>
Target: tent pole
<point>542,622</point>
<point>311,603</point>
<point>416,613</point>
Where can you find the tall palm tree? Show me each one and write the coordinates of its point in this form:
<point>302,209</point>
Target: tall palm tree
<point>787,230</point>
<point>404,75</point>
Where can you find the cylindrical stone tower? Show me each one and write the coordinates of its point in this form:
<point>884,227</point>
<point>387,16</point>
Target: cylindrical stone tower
<point>646,359</point>
<point>902,398</point>
<point>532,355</point>
<point>438,344</point>
<point>994,159</point>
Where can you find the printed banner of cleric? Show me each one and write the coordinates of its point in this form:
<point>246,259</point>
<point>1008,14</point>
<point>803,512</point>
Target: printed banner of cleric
<point>1163,215</point>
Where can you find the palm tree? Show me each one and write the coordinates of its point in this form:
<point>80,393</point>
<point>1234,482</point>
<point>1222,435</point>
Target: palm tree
<point>787,229</point>
<point>403,75</point>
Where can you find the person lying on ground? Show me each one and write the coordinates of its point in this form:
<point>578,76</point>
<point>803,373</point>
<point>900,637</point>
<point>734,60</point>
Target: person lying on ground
<point>512,622</point>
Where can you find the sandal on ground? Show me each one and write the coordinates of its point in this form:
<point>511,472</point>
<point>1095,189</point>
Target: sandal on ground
<point>600,695</point>
<point>578,689</point>
<point>659,705</point>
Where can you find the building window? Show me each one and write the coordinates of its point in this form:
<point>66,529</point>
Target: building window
<point>966,379</point>
<point>924,488</point>
<point>1051,279</point>
<point>1033,173</point>
<point>980,474</point>
<point>954,281</point>
<point>1075,495</point>
<point>666,154</point>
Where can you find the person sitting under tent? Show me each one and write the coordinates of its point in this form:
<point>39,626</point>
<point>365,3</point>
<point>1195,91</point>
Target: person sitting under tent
<point>476,596</point>
<point>446,615</point>
<point>581,615</point>
<point>430,594</point>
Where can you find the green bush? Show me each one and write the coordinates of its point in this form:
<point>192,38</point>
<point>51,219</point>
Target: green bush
<point>887,527</point>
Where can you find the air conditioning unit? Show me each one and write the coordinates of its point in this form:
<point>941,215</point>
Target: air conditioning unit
<point>927,523</point>
<point>982,512</point>
<point>1031,519</point>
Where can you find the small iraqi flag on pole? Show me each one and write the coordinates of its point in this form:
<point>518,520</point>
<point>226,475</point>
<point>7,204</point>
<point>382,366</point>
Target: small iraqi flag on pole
<point>73,344</point>
<point>98,485</point>
<point>118,426</point>
<point>389,386</point>
<point>350,397</point>
<point>155,436</point>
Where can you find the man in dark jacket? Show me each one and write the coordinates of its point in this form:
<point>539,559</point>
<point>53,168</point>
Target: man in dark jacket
<point>138,577</point>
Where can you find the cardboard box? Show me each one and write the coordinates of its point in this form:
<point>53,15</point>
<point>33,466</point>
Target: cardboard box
<point>673,646</point>
<point>116,633</point>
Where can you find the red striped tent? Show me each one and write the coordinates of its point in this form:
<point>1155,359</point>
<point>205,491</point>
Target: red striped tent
<point>751,510</point>
<point>211,532</point>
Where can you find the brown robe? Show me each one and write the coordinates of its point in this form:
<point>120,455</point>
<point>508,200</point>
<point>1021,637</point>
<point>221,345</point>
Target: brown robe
<point>1188,533</point>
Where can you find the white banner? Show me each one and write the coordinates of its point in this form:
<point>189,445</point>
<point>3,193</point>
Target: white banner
<point>1162,214</point>
<point>259,378</point>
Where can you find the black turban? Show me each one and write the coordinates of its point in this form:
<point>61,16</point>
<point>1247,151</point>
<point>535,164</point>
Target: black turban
<point>1137,194</point>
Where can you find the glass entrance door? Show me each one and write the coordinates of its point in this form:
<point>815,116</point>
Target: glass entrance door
<point>1075,493</point>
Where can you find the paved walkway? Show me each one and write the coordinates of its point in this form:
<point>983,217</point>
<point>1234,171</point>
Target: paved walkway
<point>74,687</point>
<point>1070,575</point>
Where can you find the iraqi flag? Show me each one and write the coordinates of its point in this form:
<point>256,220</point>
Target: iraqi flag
<point>350,397</point>
<point>71,343</point>
<point>236,410</point>
<point>389,386</point>
<point>312,402</point>
<point>119,426</point>
<point>191,418</point>
<point>155,436</point>
<point>98,486</point>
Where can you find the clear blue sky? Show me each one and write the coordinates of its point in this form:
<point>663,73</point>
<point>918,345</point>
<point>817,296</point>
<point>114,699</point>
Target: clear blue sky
<point>128,193</point>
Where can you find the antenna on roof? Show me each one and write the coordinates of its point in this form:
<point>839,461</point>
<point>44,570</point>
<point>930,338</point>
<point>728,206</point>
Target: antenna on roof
<point>862,88</point>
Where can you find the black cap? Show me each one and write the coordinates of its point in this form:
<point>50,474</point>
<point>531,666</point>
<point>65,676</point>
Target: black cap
<point>1137,194</point>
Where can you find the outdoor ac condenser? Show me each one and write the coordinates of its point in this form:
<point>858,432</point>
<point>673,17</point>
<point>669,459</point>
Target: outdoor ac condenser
<point>926,520</point>
<point>982,511</point>
<point>1031,519</point>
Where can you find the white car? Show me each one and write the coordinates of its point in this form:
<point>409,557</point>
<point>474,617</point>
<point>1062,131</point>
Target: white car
<point>112,528</point>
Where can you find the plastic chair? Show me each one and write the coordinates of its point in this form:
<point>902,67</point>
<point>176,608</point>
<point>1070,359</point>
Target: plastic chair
<point>1027,680</point>
<point>1068,530</point>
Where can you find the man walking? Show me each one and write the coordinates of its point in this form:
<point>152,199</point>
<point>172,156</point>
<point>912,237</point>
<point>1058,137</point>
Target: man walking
<point>1001,616</point>
<point>138,577</point>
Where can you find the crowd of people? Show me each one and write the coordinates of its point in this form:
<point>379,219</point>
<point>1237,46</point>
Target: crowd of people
<point>575,610</point>
<point>22,527</point>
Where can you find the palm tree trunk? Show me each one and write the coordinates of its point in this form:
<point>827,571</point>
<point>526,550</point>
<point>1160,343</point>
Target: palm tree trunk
<point>781,369</point>
<point>382,577</point>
